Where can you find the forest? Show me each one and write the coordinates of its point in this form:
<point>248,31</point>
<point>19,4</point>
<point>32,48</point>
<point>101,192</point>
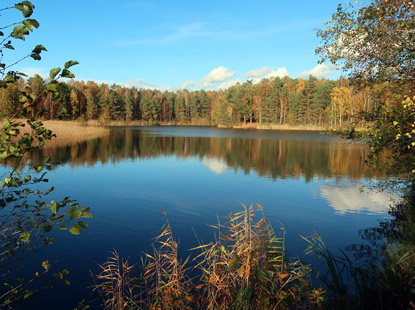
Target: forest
<point>276,100</point>
<point>246,266</point>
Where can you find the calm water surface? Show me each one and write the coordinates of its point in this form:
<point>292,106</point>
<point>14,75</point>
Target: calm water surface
<point>305,182</point>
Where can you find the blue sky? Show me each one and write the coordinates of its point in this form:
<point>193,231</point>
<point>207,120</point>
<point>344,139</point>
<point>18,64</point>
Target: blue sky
<point>179,44</point>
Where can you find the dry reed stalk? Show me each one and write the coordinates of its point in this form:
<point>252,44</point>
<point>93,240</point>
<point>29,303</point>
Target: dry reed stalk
<point>166,282</point>
<point>69,132</point>
<point>117,283</point>
<point>246,268</point>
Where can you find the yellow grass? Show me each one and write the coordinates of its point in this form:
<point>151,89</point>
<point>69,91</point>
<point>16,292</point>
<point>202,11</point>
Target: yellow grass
<point>307,127</point>
<point>281,127</point>
<point>71,132</point>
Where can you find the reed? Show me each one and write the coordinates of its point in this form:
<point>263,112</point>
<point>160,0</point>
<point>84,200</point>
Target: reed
<point>167,285</point>
<point>349,284</point>
<point>245,268</point>
<point>70,132</point>
<point>117,283</point>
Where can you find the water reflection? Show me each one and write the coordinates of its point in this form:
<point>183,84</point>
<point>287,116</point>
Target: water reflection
<point>352,198</point>
<point>217,166</point>
<point>269,155</point>
<point>305,181</point>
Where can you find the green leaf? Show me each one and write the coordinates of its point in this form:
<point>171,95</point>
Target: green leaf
<point>28,295</point>
<point>82,224</point>
<point>23,99</point>
<point>54,72</point>
<point>70,63</point>
<point>4,155</point>
<point>67,74</point>
<point>87,214</point>
<point>52,87</point>
<point>75,230</point>
<point>46,265</point>
<point>19,32</point>
<point>25,236</point>
<point>9,79</point>
<point>54,207</point>
<point>74,213</point>
<point>31,23</point>
<point>35,56</point>
<point>39,48</point>
<point>27,11</point>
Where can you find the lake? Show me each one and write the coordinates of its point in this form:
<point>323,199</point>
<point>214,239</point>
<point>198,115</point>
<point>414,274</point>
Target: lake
<point>305,182</point>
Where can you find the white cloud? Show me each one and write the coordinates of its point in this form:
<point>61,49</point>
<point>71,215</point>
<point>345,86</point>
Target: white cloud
<point>187,31</point>
<point>179,33</point>
<point>31,71</point>
<point>258,73</point>
<point>265,73</point>
<point>187,84</point>
<point>108,82</point>
<point>318,71</point>
<point>215,76</point>
<point>140,83</point>
<point>227,84</point>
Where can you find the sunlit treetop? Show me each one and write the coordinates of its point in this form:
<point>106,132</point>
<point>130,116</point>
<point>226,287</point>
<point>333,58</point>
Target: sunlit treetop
<point>374,42</point>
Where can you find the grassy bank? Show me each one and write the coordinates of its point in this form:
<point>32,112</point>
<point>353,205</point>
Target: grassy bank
<point>281,127</point>
<point>71,132</point>
<point>202,122</point>
<point>83,130</point>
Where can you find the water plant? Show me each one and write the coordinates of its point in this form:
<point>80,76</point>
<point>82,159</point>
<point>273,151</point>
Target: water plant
<point>245,268</point>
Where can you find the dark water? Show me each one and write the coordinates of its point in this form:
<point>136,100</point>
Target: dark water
<point>305,181</point>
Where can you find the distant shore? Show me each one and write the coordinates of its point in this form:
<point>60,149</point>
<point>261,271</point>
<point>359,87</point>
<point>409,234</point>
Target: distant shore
<point>76,131</point>
<point>95,123</point>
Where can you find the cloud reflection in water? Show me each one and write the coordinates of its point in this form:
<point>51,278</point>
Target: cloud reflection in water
<point>349,198</point>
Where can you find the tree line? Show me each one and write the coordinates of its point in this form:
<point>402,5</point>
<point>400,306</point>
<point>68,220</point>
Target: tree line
<point>275,158</point>
<point>276,100</point>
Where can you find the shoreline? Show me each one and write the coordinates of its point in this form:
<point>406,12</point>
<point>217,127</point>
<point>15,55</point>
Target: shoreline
<point>71,131</point>
<point>95,123</point>
<point>68,132</point>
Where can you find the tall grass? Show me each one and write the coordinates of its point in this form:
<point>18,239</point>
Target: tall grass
<point>70,132</point>
<point>347,283</point>
<point>166,284</point>
<point>117,283</point>
<point>245,268</point>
